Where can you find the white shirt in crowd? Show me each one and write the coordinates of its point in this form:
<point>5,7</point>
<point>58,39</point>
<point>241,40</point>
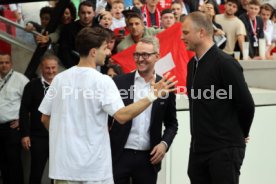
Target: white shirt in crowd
<point>118,23</point>
<point>10,95</point>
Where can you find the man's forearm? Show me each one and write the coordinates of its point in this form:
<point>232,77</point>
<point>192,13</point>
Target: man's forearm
<point>45,119</point>
<point>131,111</point>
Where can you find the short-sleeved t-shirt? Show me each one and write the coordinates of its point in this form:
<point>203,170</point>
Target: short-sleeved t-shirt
<point>78,103</point>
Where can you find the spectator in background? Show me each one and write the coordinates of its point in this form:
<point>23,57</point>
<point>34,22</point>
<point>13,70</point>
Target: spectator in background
<point>105,19</point>
<point>137,30</point>
<point>151,14</point>
<point>118,20</point>
<point>219,34</point>
<point>114,70</point>
<point>265,13</point>
<point>254,27</point>
<point>34,136</point>
<point>12,85</point>
<point>67,52</point>
<point>167,18</point>
<point>242,8</point>
<point>69,15</point>
<point>273,16</point>
<point>138,4</point>
<point>45,17</point>
<point>234,33</point>
<point>177,10</point>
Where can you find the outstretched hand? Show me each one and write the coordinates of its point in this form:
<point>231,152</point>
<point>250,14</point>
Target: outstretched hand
<point>164,86</point>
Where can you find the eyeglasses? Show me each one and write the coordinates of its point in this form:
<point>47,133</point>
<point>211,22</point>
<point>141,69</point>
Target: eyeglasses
<point>144,55</point>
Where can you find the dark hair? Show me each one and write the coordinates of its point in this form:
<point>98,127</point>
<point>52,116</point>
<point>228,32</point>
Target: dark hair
<point>89,38</point>
<point>234,1</point>
<point>117,68</point>
<point>46,10</point>
<point>165,11</point>
<point>72,10</point>
<point>86,3</point>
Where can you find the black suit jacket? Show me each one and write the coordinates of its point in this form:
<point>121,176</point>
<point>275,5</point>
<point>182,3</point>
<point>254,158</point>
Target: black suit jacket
<point>163,111</point>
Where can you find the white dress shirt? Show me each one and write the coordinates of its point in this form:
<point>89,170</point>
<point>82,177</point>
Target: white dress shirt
<point>10,95</point>
<point>139,136</point>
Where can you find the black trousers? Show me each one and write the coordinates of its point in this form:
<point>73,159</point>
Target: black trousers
<point>39,157</point>
<point>217,167</point>
<point>134,167</point>
<point>10,155</point>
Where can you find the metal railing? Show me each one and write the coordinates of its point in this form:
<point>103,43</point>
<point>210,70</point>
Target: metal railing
<point>13,40</point>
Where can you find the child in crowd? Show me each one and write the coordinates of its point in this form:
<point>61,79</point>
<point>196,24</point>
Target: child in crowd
<point>105,19</point>
<point>118,19</point>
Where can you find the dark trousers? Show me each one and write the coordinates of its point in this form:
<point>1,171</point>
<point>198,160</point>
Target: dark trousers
<point>217,167</point>
<point>39,157</point>
<point>10,155</point>
<point>134,167</point>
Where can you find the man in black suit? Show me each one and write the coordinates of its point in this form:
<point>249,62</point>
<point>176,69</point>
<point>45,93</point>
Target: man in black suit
<point>34,136</point>
<point>139,146</point>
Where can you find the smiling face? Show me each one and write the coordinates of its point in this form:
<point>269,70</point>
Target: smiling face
<point>145,67</point>
<point>253,11</point>
<point>49,69</point>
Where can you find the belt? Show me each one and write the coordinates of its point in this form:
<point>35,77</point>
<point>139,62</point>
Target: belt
<point>136,151</point>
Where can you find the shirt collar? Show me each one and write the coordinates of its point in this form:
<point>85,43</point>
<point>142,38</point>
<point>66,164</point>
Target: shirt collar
<point>43,80</point>
<point>197,59</point>
<point>6,76</point>
<point>139,77</point>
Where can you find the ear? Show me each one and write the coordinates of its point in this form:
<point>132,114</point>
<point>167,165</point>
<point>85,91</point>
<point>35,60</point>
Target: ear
<point>202,32</point>
<point>92,52</point>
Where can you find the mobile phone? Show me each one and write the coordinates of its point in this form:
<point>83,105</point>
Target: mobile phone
<point>122,32</point>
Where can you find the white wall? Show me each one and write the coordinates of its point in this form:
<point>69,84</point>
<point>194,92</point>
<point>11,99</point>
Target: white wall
<point>259,165</point>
